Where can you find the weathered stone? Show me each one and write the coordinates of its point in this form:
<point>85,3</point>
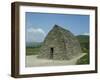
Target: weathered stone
<point>60,44</point>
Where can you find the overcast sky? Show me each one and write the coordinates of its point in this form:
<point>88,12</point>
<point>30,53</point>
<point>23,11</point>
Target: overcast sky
<point>39,24</point>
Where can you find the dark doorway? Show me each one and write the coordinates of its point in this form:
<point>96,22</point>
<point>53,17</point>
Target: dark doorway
<point>51,53</point>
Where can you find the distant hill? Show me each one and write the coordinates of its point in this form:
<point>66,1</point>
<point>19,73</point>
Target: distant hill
<point>83,38</point>
<point>33,44</point>
<point>84,42</point>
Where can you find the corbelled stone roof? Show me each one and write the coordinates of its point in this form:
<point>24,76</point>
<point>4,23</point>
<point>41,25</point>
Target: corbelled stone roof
<point>64,44</point>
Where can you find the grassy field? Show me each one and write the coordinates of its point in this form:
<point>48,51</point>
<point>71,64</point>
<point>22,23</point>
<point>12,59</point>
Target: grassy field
<point>32,50</point>
<point>83,60</point>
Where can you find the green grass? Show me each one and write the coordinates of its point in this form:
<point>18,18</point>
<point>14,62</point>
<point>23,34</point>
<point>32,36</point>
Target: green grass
<point>83,60</point>
<point>32,50</point>
<point>84,42</point>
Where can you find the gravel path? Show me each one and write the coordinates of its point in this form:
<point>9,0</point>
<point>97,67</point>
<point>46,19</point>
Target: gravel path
<point>32,61</point>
